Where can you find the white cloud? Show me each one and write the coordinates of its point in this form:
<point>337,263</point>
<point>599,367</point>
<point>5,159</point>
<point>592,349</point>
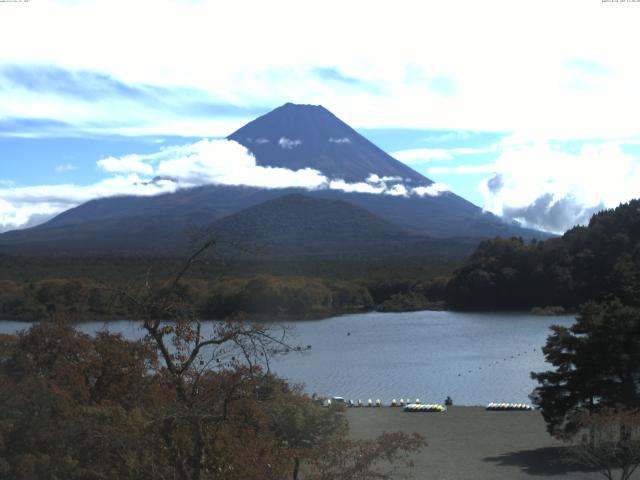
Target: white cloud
<point>340,141</point>
<point>425,155</point>
<point>22,213</point>
<point>473,150</point>
<point>67,167</point>
<point>398,190</point>
<point>432,190</point>
<point>204,162</point>
<point>289,144</point>
<point>422,155</point>
<point>529,83</point>
<point>359,187</point>
<point>21,207</point>
<point>227,162</point>
<point>458,136</point>
<point>373,178</point>
<point>547,188</point>
<point>393,186</point>
<point>127,164</point>
<point>463,169</point>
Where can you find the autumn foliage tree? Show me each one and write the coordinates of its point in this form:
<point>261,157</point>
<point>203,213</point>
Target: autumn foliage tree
<point>74,406</point>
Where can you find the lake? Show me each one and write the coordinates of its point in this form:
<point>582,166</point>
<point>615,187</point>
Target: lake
<point>476,358</point>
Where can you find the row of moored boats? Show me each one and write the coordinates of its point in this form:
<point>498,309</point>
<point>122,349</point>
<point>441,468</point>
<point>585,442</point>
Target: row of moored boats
<point>509,406</point>
<point>418,406</point>
<point>428,407</point>
<point>372,403</point>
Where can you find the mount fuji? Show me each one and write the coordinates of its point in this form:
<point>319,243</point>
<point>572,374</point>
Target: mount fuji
<point>405,214</point>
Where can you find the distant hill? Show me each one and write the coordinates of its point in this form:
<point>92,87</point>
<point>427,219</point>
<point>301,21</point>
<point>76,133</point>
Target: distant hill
<point>299,216</point>
<point>586,263</point>
<point>299,226</point>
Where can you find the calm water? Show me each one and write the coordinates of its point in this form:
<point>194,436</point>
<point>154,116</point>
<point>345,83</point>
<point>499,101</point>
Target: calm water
<point>475,358</point>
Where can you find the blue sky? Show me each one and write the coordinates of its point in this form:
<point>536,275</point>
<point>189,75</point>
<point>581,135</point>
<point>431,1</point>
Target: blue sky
<point>527,109</point>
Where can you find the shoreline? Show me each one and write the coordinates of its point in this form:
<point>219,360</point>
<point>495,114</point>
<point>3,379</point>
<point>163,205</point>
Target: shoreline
<point>272,318</point>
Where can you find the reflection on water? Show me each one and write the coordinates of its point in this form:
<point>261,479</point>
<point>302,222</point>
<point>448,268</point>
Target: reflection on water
<point>475,358</point>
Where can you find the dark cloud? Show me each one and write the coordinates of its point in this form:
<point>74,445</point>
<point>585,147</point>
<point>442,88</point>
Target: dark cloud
<point>553,216</point>
<point>495,183</point>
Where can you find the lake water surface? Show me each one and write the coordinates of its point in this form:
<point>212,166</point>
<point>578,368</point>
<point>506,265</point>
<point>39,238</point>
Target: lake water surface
<point>475,358</point>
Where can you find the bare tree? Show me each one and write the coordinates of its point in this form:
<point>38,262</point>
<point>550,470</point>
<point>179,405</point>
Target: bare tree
<point>212,368</point>
<point>609,442</point>
<point>385,457</point>
<point>190,353</point>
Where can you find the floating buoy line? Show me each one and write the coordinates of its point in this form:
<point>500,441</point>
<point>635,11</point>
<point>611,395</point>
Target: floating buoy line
<point>498,362</point>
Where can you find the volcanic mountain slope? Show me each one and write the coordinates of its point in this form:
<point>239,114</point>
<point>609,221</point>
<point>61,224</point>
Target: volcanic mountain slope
<point>292,226</point>
<point>445,215</point>
<point>310,136</point>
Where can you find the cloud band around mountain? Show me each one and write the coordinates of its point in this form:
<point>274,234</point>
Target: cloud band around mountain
<point>205,162</point>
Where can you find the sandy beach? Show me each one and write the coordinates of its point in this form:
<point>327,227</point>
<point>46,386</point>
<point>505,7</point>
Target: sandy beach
<point>472,443</point>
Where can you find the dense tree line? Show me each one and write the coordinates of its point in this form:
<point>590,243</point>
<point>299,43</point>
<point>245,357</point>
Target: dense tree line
<point>83,298</point>
<point>586,263</point>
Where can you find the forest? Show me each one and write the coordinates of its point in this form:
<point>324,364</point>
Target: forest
<point>587,263</point>
<point>86,287</point>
